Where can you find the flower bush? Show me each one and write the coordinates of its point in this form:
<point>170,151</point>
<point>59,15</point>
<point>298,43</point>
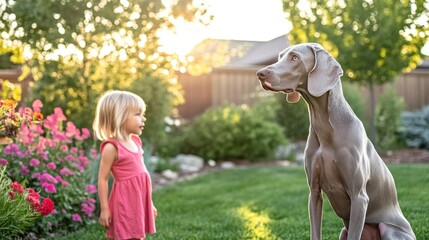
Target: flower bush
<point>51,157</point>
<point>10,120</point>
<point>20,207</point>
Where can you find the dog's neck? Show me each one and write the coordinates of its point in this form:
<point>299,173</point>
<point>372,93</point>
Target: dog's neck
<point>323,109</point>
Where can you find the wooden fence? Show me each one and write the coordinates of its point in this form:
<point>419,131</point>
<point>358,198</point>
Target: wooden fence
<point>239,86</point>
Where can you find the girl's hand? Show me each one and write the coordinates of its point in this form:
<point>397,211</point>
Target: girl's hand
<point>155,212</point>
<point>105,218</point>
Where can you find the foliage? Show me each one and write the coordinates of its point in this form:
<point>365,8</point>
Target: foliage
<point>388,119</point>
<point>198,208</point>
<point>232,132</point>
<point>52,158</point>
<point>11,121</point>
<point>20,207</point>
<point>159,105</point>
<point>10,90</point>
<point>415,128</point>
<point>80,49</point>
<point>353,96</point>
<point>294,119</point>
<point>373,41</point>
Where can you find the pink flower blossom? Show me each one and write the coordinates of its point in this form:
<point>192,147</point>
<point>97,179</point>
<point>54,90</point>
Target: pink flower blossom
<point>46,177</point>
<point>94,153</point>
<point>66,172</point>
<point>46,207</point>
<point>51,165</point>
<point>88,206</point>
<point>34,162</point>
<point>85,133</point>
<point>37,105</point>
<point>64,148</point>
<point>49,188</point>
<point>17,187</point>
<point>3,161</point>
<point>91,188</point>
<point>76,217</point>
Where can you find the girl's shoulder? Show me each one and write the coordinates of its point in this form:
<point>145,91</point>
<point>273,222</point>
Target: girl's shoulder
<point>111,141</point>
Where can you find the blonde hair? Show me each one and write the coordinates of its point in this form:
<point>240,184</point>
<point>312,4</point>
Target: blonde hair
<point>113,109</point>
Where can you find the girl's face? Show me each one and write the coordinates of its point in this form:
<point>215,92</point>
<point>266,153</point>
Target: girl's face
<point>135,123</point>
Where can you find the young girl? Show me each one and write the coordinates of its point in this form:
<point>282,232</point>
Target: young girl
<point>129,212</point>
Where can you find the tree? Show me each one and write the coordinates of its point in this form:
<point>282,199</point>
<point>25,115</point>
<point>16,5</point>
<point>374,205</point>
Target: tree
<point>373,40</point>
<point>79,49</point>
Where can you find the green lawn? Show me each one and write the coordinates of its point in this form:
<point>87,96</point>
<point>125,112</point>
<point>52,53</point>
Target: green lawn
<point>262,203</point>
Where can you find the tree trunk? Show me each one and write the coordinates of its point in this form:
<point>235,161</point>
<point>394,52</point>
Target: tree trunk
<point>372,130</point>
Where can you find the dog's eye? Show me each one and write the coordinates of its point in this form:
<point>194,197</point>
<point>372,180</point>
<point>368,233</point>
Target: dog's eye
<point>294,58</point>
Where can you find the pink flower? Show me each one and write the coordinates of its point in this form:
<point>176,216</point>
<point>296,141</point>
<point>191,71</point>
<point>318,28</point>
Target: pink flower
<point>46,177</point>
<point>85,133</point>
<point>76,217</point>
<point>94,153</point>
<point>3,161</point>
<point>64,148</point>
<point>16,187</point>
<point>65,183</point>
<point>88,206</point>
<point>51,165</point>
<point>91,188</point>
<point>46,207</point>
<point>49,188</point>
<point>66,172</point>
<point>12,195</point>
<point>34,162</point>
<point>37,105</point>
<point>59,114</point>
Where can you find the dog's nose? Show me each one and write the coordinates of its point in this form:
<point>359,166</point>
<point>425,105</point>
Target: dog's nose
<point>262,74</point>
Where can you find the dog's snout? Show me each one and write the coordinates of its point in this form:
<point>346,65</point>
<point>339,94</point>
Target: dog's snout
<point>263,73</point>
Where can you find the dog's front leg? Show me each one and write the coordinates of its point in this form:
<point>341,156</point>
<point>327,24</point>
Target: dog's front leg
<point>359,205</point>
<point>315,200</point>
<point>315,205</point>
<point>355,175</point>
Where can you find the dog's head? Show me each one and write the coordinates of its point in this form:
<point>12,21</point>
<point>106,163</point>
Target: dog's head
<point>305,65</point>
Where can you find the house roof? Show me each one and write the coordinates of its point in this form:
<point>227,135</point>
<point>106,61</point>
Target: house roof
<point>262,53</point>
<point>259,53</point>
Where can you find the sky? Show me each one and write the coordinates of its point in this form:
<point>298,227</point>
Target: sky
<point>255,20</point>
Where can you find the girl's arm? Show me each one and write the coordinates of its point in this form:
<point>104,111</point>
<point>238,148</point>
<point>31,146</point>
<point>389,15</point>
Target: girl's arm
<point>108,157</point>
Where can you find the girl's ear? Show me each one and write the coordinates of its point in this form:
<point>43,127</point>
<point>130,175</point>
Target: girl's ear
<point>325,73</point>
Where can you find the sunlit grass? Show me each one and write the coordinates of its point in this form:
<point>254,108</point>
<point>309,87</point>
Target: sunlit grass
<point>263,203</point>
<point>255,223</point>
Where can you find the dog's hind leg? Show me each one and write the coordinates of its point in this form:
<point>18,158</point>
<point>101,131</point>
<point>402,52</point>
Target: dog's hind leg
<point>388,232</point>
<point>369,232</point>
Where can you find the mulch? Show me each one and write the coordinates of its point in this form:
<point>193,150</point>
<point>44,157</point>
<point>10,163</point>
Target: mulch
<point>391,157</point>
<point>406,156</point>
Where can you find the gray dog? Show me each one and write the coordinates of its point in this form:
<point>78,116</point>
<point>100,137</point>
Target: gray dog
<point>339,157</point>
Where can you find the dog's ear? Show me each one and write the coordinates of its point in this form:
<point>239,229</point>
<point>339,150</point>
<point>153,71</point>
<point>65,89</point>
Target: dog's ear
<point>325,73</point>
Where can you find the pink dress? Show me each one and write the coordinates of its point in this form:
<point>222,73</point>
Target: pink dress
<point>130,201</point>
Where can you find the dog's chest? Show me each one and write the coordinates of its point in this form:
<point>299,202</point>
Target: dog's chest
<point>329,177</point>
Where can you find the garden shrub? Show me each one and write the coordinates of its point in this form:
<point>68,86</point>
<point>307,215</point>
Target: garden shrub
<point>51,158</point>
<point>388,119</point>
<point>354,97</point>
<point>294,118</point>
<point>232,132</point>
<point>20,207</point>
<point>415,128</point>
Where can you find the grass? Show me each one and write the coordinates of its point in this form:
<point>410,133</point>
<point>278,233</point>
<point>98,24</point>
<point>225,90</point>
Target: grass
<point>262,203</point>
